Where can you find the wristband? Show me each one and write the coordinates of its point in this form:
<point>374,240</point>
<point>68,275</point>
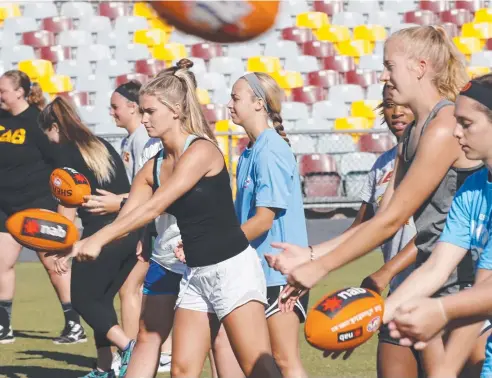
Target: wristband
<point>123,201</point>
<point>312,252</point>
<point>443,311</point>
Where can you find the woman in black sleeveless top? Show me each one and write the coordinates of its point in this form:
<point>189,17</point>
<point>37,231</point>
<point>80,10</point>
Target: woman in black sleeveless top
<point>224,281</point>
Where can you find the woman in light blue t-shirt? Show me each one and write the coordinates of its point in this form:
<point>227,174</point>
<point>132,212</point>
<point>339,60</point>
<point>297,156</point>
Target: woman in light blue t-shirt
<point>269,207</point>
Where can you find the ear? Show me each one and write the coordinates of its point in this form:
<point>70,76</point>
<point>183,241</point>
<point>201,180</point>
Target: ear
<point>133,106</point>
<point>177,111</point>
<point>54,126</point>
<point>421,68</point>
<point>259,104</point>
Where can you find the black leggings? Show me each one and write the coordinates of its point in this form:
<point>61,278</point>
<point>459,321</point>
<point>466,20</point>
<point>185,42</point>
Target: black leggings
<point>95,284</point>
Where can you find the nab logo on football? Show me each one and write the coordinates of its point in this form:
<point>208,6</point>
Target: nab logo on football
<point>77,177</point>
<point>349,335</point>
<point>333,304</point>
<point>43,229</point>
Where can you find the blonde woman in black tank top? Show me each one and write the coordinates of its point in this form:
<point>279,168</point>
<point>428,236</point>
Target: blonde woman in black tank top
<point>224,282</point>
<point>423,67</point>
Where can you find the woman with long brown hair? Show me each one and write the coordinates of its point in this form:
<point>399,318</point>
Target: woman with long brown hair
<point>94,284</point>
<point>26,162</point>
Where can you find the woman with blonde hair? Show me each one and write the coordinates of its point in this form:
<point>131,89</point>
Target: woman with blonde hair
<point>223,281</point>
<point>26,162</point>
<point>426,73</point>
<point>94,284</point>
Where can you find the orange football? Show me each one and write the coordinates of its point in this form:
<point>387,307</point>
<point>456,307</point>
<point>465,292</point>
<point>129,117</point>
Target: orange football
<point>344,319</point>
<point>43,230</point>
<point>220,21</point>
<point>69,186</point>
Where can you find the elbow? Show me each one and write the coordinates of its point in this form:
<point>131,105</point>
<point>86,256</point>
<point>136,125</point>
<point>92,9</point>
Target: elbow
<point>391,222</point>
<point>266,226</point>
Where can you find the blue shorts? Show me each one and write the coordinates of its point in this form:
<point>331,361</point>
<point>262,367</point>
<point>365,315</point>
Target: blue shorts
<point>160,281</point>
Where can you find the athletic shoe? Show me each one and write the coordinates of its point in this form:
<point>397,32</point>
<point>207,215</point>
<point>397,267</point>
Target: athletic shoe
<point>116,364</point>
<point>164,363</point>
<point>100,374</point>
<point>6,335</point>
<point>125,358</point>
<point>73,333</point>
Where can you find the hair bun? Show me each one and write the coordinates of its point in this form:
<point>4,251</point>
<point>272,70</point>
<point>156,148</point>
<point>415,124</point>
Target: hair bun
<point>184,64</point>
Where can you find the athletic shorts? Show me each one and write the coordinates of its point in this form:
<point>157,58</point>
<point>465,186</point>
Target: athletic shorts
<point>300,307</point>
<point>47,203</point>
<point>220,288</point>
<point>161,281</point>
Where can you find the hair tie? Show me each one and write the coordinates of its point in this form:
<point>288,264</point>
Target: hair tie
<point>258,90</point>
<point>127,94</point>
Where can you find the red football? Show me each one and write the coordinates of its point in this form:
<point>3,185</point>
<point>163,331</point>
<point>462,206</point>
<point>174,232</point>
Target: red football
<point>69,186</point>
<point>344,319</point>
<point>42,230</point>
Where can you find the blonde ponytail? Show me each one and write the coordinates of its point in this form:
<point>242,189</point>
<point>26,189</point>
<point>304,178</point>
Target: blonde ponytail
<point>433,43</point>
<point>178,85</point>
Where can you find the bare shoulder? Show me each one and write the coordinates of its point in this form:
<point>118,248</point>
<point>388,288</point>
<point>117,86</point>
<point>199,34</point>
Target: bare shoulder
<point>443,125</point>
<point>203,150</point>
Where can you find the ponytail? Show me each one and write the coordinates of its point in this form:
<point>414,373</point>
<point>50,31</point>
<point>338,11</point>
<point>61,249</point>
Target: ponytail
<point>33,93</point>
<point>177,85</point>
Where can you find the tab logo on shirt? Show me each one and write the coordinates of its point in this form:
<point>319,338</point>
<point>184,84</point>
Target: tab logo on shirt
<point>17,136</point>
<point>247,182</point>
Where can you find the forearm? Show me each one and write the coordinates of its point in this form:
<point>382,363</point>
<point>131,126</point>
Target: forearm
<point>68,212</point>
<point>405,258</point>
<point>254,228</point>
<point>356,242</point>
<point>328,246</point>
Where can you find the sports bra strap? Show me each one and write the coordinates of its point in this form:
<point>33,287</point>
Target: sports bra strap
<point>441,104</point>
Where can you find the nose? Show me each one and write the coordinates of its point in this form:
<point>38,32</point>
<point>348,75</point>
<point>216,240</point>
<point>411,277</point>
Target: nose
<point>384,76</point>
<point>145,118</point>
<point>229,104</point>
<point>458,131</point>
<point>397,111</point>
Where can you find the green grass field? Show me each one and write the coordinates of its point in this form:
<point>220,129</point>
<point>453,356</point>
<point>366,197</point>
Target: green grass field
<point>37,318</point>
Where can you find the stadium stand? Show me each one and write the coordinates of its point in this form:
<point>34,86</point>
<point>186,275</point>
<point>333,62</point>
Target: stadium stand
<point>326,54</point>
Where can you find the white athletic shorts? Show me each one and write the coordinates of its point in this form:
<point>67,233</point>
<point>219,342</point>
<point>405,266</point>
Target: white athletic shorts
<point>222,287</point>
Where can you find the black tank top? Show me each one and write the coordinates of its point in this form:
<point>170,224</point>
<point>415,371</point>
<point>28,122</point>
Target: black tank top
<point>209,227</point>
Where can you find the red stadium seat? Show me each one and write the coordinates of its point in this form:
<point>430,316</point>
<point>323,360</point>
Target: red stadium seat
<point>122,79</point>
<point>215,112</point>
<point>40,38</point>
<point>319,49</point>
<point>321,178</point>
<point>78,98</point>
<point>456,16</point>
<point>150,67</point>
<point>114,10</point>
<point>330,7</point>
<point>242,143</point>
<point>324,78</point>
<point>364,78</point>
<point>55,53</point>
<point>471,5</point>
<point>435,6</point>
<point>421,17</point>
<point>316,164</point>
<point>376,143</point>
<point>488,44</point>
<point>452,29</point>
<point>57,24</point>
<point>298,35</point>
<point>206,50</point>
<point>308,95</point>
<point>340,63</point>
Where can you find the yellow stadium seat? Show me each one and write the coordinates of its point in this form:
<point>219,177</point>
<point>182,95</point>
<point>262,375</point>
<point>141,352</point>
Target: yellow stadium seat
<point>468,45</point>
<point>483,15</point>
<point>151,37</point>
<point>158,23</point>
<point>36,68</point>
<point>355,48</point>
<point>266,64</point>
<point>372,33</point>
<point>364,108</point>
<point>477,71</point>
<point>56,84</point>
<point>203,96</point>
<point>312,20</point>
<point>144,10</point>
<point>333,33</point>
<point>481,30</point>
<point>169,51</point>
<point>288,79</point>
<point>10,9</point>
<point>353,123</point>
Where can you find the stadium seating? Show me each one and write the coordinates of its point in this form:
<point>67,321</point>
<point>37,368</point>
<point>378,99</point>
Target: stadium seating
<point>326,55</point>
